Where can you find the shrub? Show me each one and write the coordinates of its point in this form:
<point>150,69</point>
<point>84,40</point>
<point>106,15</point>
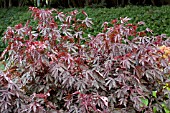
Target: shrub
<point>54,68</point>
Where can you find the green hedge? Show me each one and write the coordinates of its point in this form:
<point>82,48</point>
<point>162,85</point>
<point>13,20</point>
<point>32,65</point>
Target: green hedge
<point>156,18</point>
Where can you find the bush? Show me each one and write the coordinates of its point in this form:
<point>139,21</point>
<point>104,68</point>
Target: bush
<point>53,67</point>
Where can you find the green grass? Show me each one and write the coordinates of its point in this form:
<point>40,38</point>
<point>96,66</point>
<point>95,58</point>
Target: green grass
<point>156,18</point>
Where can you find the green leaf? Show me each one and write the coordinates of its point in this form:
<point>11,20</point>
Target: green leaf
<point>166,110</point>
<point>154,93</point>
<point>1,66</point>
<point>154,110</point>
<point>145,101</point>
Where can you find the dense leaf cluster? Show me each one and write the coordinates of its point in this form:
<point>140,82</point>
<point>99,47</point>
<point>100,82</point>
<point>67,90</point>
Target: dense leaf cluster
<point>53,67</point>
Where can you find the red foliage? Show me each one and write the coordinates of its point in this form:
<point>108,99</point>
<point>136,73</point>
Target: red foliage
<point>55,68</point>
